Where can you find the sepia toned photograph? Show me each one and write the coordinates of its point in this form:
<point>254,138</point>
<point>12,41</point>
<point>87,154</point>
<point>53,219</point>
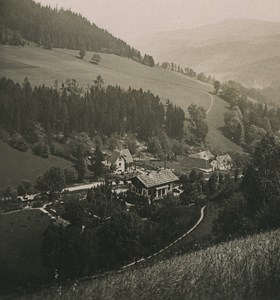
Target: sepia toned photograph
<point>139,149</point>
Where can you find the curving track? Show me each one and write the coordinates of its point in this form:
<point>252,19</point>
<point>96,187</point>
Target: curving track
<point>142,260</point>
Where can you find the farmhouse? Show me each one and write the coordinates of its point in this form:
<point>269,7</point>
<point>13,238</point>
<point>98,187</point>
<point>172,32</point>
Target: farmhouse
<point>222,163</point>
<point>120,159</point>
<point>154,184</point>
<point>200,161</point>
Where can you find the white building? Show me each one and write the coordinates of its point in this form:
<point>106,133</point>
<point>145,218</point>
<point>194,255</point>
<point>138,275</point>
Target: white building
<point>222,163</point>
<point>120,159</point>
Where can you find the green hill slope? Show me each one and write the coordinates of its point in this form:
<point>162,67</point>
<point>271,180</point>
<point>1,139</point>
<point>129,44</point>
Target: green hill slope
<point>243,269</point>
<point>44,67</point>
<point>16,166</point>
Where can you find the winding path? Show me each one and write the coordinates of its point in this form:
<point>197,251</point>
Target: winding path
<point>212,101</point>
<point>170,245</point>
<point>142,260</point>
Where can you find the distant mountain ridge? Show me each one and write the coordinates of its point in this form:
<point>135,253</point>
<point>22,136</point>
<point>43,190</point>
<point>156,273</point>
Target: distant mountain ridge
<point>59,28</point>
<point>244,50</point>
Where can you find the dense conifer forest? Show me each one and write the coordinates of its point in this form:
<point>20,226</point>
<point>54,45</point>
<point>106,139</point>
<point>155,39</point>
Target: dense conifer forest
<point>59,28</point>
<point>69,109</point>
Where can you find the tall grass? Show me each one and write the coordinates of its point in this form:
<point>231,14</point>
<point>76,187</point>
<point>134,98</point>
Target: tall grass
<point>242,269</point>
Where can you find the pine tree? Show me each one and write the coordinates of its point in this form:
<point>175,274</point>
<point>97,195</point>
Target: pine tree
<point>97,165</point>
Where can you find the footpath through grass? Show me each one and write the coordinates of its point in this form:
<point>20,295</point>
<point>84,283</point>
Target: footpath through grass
<point>246,268</point>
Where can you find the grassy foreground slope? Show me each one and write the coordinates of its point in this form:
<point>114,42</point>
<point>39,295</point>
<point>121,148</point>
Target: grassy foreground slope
<point>20,251</point>
<point>242,269</point>
<point>16,166</point>
<point>44,67</point>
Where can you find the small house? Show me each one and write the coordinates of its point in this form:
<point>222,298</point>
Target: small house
<point>222,163</point>
<point>120,160</point>
<point>154,184</point>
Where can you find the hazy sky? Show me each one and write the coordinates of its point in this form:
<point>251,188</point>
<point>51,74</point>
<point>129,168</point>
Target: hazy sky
<point>129,19</point>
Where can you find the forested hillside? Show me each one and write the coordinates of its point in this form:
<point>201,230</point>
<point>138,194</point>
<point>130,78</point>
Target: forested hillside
<point>97,110</point>
<point>58,28</point>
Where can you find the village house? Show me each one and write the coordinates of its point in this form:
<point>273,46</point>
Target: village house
<point>200,161</point>
<point>222,163</point>
<point>154,184</point>
<point>120,159</point>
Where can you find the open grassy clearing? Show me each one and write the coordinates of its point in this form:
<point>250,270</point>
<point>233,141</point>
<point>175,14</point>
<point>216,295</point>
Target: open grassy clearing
<point>16,166</point>
<point>242,269</point>
<point>44,67</point>
<point>215,120</point>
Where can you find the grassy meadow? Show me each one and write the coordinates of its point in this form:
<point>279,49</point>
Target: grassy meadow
<point>20,250</point>
<point>16,166</point>
<point>248,268</point>
<point>45,66</point>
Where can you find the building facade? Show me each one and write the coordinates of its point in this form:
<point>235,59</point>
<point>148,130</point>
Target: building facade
<point>154,184</point>
<point>120,160</point>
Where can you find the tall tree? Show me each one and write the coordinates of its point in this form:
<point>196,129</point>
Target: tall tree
<point>96,58</point>
<point>217,86</point>
<point>82,52</point>
<point>97,165</point>
<point>80,165</point>
<point>120,238</point>
<point>52,181</point>
<point>25,188</point>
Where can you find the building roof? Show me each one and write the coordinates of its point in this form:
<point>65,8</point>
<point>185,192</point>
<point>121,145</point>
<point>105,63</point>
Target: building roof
<point>207,155</point>
<point>214,163</point>
<point>116,154</point>
<point>156,178</point>
<point>224,159</point>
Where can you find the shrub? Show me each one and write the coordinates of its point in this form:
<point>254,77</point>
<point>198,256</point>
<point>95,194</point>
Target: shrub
<point>41,149</point>
<point>71,175</point>
<point>18,142</point>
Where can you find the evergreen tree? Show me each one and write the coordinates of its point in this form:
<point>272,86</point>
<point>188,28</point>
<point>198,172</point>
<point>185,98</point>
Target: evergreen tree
<point>82,52</point>
<point>97,165</point>
<point>80,165</point>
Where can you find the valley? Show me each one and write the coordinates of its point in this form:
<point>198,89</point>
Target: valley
<point>244,50</point>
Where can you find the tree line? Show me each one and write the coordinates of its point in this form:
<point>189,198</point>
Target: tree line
<point>253,205</point>
<point>59,28</point>
<point>246,122</point>
<point>187,71</point>
<point>68,109</point>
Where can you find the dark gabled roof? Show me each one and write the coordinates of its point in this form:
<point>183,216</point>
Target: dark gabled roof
<point>156,178</point>
<point>112,158</point>
<point>125,153</point>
